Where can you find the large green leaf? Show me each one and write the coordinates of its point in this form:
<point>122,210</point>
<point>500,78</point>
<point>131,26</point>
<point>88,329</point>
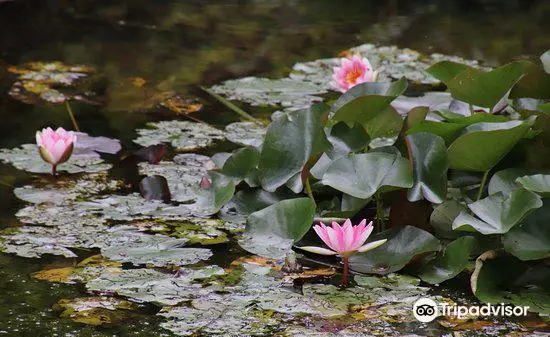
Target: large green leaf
<point>291,141</point>
<point>403,244</point>
<point>505,279</point>
<point>366,100</point>
<point>272,231</point>
<point>531,239</point>
<point>361,175</point>
<point>428,155</point>
<point>454,259</point>
<point>210,199</point>
<point>538,183</point>
<point>345,139</point>
<point>443,216</point>
<point>384,128</point>
<point>483,145</point>
<point>451,127</point>
<point>445,71</point>
<point>505,181</point>
<point>485,89</point>
<point>241,163</point>
<point>498,212</point>
<point>536,84</point>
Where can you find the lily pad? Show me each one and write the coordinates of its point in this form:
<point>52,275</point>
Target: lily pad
<point>538,183</point>
<point>428,155</point>
<point>245,133</point>
<point>182,135</point>
<point>286,92</point>
<point>46,80</point>
<point>27,158</point>
<point>148,285</point>
<point>97,310</point>
<point>498,213</point>
<point>454,259</point>
<point>272,231</point>
<point>361,175</point>
<point>402,245</point>
<point>530,240</point>
<point>292,140</point>
<point>183,174</point>
<point>128,245</point>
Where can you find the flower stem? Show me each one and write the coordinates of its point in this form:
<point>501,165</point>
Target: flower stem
<point>70,111</point>
<point>345,274</point>
<point>309,192</point>
<point>483,180</point>
<point>54,171</point>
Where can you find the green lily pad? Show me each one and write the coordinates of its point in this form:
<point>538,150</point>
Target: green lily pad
<point>272,231</point>
<point>366,101</point>
<point>453,260</point>
<point>182,135</point>
<point>48,81</point>
<point>197,231</point>
<point>149,285</point>
<point>445,71</point>
<point>443,216</point>
<point>62,191</point>
<point>505,279</point>
<point>345,139</point>
<point>538,183</point>
<point>97,310</point>
<point>384,128</point>
<point>485,89</point>
<point>245,134</point>
<point>361,175</point>
<point>530,240</point>
<point>212,198</point>
<point>402,245</point>
<point>505,181</point>
<point>291,141</point>
<point>184,174</point>
<point>128,245</point>
<point>241,163</point>
<point>498,213</point>
<point>263,91</point>
<point>27,158</point>
<point>428,155</point>
<point>483,145</point>
<point>392,63</point>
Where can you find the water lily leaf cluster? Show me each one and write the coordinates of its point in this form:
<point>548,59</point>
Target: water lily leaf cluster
<point>457,155</point>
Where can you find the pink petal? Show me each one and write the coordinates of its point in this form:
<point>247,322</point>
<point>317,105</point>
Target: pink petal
<point>333,239</point>
<point>318,250</point>
<point>38,138</point>
<point>58,150</point>
<point>371,245</point>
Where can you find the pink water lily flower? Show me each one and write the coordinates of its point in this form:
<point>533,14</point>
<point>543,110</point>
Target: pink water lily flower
<point>344,240</point>
<point>351,72</point>
<point>56,146</point>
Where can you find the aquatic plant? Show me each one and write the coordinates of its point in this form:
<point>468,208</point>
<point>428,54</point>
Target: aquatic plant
<point>352,71</point>
<point>55,147</point>
<point>345,241</point>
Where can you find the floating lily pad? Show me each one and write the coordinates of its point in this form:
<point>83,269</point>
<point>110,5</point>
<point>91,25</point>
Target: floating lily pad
<point>263,91</point>
<point>183,174</point>
<point>46,80</point>
<point>127,245</point>
<point>245,133</point>
<point>182,135</point>
<point>391,62</point>
<point>201,231</point>
<point>148,285</point>
<point>28,159</point>
<point>96,310</point>
<point>63,191</point>
<point>86,143</point>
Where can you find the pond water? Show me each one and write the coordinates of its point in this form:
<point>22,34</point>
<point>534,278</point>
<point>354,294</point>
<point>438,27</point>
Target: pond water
<point>178,45</point>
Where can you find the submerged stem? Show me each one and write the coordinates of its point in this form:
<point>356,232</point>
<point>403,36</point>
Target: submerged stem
<point>345,274</point>
<point>483,180</point>
<point>54,171</point>
<point>230,105</point>
<point>71,115</point>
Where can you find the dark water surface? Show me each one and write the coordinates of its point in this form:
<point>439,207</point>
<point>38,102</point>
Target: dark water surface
<point>176,45</point>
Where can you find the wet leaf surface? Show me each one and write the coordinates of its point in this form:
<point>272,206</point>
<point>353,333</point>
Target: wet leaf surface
<point>182,135</point>
<point>97,310</point>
